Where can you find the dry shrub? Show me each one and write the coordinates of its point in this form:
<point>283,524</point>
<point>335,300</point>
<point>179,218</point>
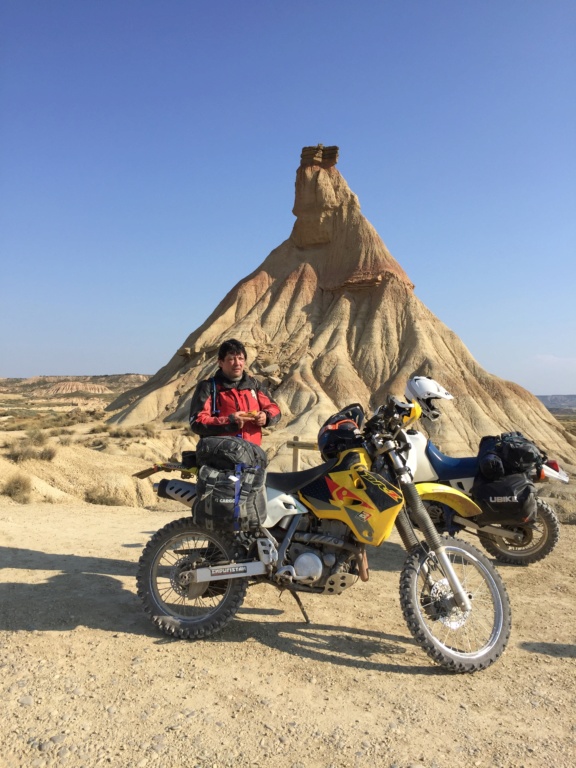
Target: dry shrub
<point>130,433</point>
<point>99,428</point>
<point>46,454</point>
<point>97,495</point>
<point>65,440</point>
<point>23,450</point>
<point>36,436</point>
<point>124,432</point>
<point>18,487</point>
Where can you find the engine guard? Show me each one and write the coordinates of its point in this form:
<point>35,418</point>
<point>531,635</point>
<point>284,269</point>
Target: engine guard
<point>452,497</point>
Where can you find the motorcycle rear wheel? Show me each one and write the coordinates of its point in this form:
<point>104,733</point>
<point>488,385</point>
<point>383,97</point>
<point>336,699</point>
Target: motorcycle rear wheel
<point>539,539</point>
<point>178,608</point>
<point>459,641</point>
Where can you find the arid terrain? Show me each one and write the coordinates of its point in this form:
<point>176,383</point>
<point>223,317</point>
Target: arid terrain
<point>88,681</point>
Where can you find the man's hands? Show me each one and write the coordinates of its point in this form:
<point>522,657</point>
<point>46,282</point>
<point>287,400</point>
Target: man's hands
<point>242,417</point>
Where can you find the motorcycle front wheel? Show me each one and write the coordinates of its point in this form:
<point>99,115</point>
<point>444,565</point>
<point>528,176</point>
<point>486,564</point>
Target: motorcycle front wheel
<point>461,641</point>
<point>178,607</point>
<point>538,539</point>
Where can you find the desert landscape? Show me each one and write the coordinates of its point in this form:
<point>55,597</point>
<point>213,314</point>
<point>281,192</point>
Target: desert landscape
<point>328,318</point>
<point>88,681</point>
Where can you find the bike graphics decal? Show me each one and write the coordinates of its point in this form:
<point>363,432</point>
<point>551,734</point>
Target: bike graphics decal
<point>358,510</point>
<point>346,495</point>
<point>376,484</point>
<point>360,522</point>
<point>224,570</point>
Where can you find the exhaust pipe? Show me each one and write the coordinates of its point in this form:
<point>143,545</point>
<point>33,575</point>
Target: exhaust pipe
<point>179,490</point>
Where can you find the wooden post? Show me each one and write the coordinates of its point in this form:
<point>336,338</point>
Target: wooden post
<point>295,455</point>
<point>298,445</point>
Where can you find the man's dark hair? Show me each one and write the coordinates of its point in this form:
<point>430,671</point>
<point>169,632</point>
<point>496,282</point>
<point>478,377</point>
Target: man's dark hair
<point>231,347</point>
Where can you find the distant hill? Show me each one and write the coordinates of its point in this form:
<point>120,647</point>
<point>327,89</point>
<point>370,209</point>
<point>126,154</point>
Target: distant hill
<point>50,386</point>
<point>558,403</point>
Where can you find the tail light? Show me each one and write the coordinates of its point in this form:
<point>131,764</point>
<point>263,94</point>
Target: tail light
<point>553,464</point>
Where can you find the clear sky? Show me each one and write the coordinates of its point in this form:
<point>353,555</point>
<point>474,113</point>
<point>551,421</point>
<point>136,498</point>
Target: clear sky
<point>148,152</point>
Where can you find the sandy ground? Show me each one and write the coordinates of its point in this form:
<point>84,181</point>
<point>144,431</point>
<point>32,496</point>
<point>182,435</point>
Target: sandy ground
<point>88,681</point>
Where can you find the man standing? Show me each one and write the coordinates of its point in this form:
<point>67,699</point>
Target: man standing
<point>231,402</point>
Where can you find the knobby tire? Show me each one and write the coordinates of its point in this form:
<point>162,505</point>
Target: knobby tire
<point>460,642</point>
<point>547,529</point>
<point>184,612</point>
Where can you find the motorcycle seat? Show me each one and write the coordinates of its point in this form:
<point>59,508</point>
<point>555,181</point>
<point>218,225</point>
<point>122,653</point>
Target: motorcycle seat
<point>289,482</point>
<point>449,467</point>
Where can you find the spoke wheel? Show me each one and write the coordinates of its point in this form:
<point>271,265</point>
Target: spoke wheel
<point>462,641</point>
<point>178,606</point>
<point>538,539</point>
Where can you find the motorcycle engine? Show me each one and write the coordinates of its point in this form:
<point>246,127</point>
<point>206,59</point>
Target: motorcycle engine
<point>308,568</point>
<point>314,562</point>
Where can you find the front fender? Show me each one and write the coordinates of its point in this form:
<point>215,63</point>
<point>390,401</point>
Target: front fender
<point>452,497</point>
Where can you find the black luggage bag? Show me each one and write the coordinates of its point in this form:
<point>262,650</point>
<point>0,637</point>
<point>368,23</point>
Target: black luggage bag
<point>231,493</point>
<point>509,500</point>
<point>507,454</point>
<point>502,487</point>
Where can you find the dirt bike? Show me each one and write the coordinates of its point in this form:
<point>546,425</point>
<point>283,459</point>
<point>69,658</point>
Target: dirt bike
<point>504,534</point>
<point>192,581</point>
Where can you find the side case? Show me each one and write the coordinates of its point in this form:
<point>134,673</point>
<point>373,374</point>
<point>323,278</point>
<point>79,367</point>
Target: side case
<point>508,501</point>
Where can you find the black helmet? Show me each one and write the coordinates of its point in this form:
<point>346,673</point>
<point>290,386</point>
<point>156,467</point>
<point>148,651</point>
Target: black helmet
<point>341,431</point>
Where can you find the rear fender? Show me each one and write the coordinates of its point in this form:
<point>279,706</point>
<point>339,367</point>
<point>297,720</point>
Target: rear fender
<point>452,497</point>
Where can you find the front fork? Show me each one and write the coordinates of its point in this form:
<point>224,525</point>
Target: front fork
<point>435,541</point>
<point>417,511</point>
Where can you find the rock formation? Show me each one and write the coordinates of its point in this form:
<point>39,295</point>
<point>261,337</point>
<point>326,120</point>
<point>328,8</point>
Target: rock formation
<point>331,318</point>
<point>69,387</point>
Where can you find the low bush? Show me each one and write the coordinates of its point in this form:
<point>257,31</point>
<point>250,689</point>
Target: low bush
<point>18,487</point>
<point>61,431</point>
<point>125,432</point>
<point>36,436</point>
<point>23,450</point>
<point>99,428</point>
<point>96,495</point>
<point>47,453</point>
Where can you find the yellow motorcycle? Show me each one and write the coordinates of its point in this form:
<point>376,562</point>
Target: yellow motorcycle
<point>319,524</point>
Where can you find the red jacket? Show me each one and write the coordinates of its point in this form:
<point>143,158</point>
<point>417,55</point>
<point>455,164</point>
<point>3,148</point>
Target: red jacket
<point>244,395</point>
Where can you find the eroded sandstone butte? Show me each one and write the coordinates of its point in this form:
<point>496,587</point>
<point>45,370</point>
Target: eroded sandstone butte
<point>331,318</point>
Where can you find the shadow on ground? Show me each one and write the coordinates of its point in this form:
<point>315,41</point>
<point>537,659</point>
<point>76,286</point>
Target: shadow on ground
<point>87,592</point>
<point>565,650</point>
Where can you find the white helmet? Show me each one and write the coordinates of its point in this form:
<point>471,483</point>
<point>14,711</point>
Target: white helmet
<point>424,390</point>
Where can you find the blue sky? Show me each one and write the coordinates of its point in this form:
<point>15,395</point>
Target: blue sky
<point>148,153</point>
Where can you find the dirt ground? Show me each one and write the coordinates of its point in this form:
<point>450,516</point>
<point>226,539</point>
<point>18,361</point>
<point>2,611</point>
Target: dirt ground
<point>88,681</point>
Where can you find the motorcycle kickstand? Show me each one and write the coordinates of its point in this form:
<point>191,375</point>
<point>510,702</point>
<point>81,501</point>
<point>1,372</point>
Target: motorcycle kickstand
<point>296,597</point>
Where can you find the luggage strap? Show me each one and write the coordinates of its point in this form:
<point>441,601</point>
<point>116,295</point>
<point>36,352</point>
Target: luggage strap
<point>215,411</point>
<point>245,476</point>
